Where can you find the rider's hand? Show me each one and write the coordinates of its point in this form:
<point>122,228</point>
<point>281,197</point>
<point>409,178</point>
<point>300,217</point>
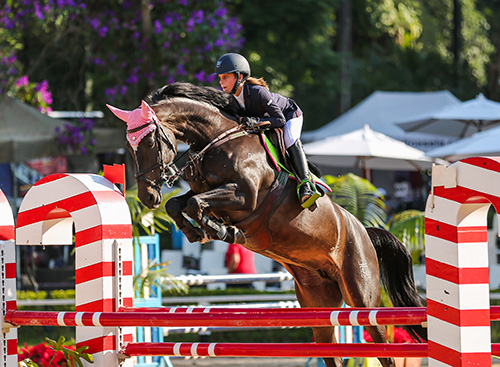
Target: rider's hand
<point>249,121</point>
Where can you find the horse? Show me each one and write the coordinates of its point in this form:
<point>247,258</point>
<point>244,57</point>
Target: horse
<point>237,195</point>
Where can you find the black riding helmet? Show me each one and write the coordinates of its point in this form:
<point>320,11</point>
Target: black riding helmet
<point>233,63</point>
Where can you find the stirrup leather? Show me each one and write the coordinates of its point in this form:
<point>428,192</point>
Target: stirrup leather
<point>316,194</point>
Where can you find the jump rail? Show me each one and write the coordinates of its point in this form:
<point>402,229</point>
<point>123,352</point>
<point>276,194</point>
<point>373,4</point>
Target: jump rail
<point>281,350</point>
<point>234,278</point>
<point>225,318</point>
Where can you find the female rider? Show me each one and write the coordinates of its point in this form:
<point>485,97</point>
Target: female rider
<point>259,104</point>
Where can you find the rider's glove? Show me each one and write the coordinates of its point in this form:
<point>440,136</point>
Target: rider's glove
<point>249,121</point>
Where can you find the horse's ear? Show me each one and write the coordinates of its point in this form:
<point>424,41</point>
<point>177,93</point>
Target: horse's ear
<point>147,111</point>
<point>121,114</point>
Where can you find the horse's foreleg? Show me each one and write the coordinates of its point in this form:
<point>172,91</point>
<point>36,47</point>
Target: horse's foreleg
<point>175,208</point>
<point>224,198</point>
<point>218,230</point>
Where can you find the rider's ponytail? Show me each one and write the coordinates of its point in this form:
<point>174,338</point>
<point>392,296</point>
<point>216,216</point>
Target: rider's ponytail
<point>255,81</point>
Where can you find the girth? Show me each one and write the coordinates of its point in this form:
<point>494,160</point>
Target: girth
<point>256,225</point>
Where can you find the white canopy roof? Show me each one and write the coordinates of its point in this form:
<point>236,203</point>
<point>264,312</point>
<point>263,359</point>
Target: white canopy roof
<point>464,119</point>
<point>365,148</point>
<point>381,111</point>
<point>484,143</point>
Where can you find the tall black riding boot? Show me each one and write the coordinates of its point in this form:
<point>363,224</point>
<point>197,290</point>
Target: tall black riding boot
<point>306,190</point>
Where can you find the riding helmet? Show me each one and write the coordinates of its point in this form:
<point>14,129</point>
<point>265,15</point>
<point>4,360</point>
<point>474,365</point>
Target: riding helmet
<point>232,63</point>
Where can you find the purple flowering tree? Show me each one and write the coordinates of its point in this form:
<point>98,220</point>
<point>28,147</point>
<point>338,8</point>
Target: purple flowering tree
<point>92,51</point>
<point>36,94</point>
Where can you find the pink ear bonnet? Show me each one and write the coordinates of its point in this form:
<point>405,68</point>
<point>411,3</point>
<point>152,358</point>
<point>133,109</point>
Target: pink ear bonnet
<point>141,116</point>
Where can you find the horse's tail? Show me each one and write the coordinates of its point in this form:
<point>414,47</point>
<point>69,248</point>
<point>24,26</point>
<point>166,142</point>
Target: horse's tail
<point>396,273</point>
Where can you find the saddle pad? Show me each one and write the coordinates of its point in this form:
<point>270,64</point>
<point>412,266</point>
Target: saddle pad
<point>273,153</point>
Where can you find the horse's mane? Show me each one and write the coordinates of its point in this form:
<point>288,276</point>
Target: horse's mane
<point>217,98</point>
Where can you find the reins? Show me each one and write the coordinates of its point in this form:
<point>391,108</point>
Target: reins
<point>170,173</point>
<point>226,136</point>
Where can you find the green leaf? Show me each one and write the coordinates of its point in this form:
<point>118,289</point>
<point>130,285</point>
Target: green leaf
<point>147,220</point>
<point>409,227</point>
<point>362,199</point>
<point>156,275</point>
<point>359,197</point>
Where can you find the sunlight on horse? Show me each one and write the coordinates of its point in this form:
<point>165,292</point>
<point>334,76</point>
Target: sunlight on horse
<point>238,196</point>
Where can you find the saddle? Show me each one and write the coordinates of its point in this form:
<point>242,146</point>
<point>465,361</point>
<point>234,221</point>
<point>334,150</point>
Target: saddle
<point>275,146</point>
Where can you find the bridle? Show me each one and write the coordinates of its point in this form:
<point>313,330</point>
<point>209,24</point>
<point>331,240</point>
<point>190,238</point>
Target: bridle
<point>168,173</point>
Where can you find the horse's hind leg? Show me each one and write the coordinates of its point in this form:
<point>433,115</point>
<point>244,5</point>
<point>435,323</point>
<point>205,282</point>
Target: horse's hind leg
<point>314,291</point>
<point>360,286</point>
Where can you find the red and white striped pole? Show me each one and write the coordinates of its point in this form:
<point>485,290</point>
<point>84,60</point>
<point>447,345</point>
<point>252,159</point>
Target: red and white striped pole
<point>221,318</point>
<point>103,242</point>
<point>281,349</point>
<point>276,349</point>
<point>8,352</point>
<point>457,261</point>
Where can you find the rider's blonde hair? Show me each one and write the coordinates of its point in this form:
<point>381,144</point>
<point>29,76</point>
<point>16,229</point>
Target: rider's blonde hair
<point>255,81</point>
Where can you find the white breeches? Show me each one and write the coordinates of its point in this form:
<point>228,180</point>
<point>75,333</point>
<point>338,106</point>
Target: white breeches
<point>292,130</point>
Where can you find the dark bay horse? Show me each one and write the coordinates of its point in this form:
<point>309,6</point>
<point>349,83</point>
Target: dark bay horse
<point>238,196</point>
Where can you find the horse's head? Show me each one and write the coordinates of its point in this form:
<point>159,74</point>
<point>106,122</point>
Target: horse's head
<point>145,138</point>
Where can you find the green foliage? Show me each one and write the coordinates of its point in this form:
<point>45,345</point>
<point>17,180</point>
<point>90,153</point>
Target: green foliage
<point>62,293</point>
<point>362,199</point>
<point>50,352</point>
<point>359,197</point>
<point>156,275</point>
<point>33,94</point>
<point>42,295</point>
<point>145,220</point>
<point>21,295</point>
<point>407,45</point>
<point>290,45</point>
<point>409,227</point>
<point>73,357</point>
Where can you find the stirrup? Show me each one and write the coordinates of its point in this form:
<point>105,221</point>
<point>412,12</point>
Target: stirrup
<point>313,196</point>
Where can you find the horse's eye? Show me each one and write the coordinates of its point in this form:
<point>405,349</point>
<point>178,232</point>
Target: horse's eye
<point>151,144</point>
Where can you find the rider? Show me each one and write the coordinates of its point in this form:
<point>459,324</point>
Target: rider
<point>259,104</point>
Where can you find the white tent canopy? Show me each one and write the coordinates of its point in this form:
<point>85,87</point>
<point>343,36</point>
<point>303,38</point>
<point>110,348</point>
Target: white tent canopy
<point>381,111</point>
<point>367,149</point>
<point>480,144</point>
<point>459,120</point>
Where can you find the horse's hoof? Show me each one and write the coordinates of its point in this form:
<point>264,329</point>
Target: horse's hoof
<point>205,239</point>
<point>197,235</point>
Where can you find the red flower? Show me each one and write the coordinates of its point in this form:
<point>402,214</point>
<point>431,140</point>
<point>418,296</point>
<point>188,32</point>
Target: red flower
<point>400,336</point>
<point>41,354</point>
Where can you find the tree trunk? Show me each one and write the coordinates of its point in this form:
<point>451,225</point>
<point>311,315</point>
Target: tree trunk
<point>457,42</point>
<point>345,49</point>
<point>146,42</point>
<point>493,87</point>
